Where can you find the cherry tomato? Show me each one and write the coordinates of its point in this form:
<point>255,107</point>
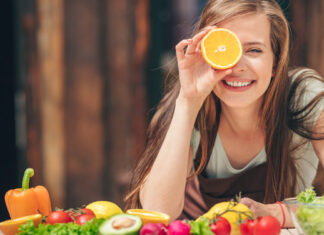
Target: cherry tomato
<point>81,219</point>
<point>267,225</point>
<point>58,217</point>
<point>247,227</point>
<point>88,211</point>
<point>221,226</point>
<point>77,212</point>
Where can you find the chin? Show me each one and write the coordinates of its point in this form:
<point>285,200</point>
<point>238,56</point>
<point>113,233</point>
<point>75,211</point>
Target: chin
<point>240,102</point>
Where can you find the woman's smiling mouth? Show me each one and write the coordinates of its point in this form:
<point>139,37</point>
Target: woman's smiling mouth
<point>238,85</point>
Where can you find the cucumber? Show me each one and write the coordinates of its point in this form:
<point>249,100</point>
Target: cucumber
<point>122,224</point>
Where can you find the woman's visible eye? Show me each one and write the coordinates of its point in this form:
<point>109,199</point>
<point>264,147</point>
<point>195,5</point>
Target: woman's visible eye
<point>254,50</point>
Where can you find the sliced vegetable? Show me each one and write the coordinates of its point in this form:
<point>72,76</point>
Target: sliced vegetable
<point>121,224</point>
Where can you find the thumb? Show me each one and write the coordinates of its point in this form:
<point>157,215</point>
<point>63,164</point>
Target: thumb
<point>247,201</point>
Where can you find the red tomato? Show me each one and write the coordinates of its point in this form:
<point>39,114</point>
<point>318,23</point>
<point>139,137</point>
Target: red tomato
<point>81,219</point>
<point>221,226</point>
<point>58,217</point>
<point>267,225</point>
<point>88,212</point>
<point>77,212</point>
<point>247,227</point>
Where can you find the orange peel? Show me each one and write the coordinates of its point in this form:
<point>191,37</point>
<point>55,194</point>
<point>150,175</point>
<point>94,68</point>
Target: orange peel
<point>221,48</point>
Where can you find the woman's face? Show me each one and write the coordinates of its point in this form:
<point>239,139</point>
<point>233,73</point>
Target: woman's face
<point>251,76</point>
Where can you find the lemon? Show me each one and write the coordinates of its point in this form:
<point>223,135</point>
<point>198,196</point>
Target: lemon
<point>104,209</point>
<point>236,211</point>
<point>149,216</point>
<point>10,227</point>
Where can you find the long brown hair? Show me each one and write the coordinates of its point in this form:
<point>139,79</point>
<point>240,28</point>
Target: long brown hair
<point>281,170</point>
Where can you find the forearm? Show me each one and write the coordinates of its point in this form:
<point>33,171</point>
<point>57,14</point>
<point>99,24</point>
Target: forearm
<point>164,187</point>
<point>282,214</point>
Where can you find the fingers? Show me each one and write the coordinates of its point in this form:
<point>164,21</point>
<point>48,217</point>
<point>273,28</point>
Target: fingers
<point>193,45</point>
<point>247,201</point>
<point>195,40</point>
<point>180,48</point>
<point>258,208</point>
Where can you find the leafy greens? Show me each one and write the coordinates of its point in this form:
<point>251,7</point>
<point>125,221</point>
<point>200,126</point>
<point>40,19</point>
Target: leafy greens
<point>310,214</point>
<point>89,228</point>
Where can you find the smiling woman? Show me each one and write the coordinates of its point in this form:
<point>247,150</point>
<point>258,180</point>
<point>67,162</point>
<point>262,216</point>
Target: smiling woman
<point>247,129</point>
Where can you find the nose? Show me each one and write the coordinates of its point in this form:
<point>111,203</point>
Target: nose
<point>240,66</point>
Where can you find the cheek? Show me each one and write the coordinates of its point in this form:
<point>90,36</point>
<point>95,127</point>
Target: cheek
<point>264,67</point>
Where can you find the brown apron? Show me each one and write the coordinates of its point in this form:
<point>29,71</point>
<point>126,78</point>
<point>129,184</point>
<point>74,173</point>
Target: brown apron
<point>202,192</point>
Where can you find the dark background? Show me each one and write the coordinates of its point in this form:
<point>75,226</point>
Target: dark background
<point>8,165</point>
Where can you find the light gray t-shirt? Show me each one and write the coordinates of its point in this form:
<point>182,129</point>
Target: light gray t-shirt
<point>306,158</point>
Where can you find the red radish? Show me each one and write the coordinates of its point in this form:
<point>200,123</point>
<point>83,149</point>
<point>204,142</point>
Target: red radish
<point>153,229</point>
<point>179,227</point>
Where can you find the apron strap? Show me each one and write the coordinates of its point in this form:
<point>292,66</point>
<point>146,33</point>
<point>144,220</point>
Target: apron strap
<point>202,192</point>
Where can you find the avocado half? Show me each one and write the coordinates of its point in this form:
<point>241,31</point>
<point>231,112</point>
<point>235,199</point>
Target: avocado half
<point>121,224</point>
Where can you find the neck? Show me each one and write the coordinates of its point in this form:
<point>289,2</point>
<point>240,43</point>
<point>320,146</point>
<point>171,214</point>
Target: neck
<point>243,121</point>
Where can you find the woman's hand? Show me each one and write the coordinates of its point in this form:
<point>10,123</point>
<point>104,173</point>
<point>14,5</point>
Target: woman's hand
<point>260,209</point>
<point>197,78</point>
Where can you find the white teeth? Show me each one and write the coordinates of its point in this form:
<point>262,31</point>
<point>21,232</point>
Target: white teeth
<point>238,84</point>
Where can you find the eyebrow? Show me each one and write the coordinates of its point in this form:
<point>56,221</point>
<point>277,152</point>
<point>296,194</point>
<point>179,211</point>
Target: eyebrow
<point>254,43</point>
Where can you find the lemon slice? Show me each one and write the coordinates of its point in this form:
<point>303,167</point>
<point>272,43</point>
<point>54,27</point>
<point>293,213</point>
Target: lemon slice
<point>149,216</point>
<point>10,227</point>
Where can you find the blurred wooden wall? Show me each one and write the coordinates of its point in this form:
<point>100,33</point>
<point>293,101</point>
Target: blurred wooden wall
<point>83,76</point>
<point>308,34</point>
<point>85,95</point>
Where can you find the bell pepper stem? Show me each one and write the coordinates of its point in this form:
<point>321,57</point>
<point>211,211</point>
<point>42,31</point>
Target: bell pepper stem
<point>29,172</point>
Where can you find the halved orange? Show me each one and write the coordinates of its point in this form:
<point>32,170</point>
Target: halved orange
<point>221,48</point>
<point>10,227</point>
<point>149,216</point>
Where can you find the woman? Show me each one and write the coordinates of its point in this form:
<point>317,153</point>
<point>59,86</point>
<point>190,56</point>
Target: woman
<point>253,128</point>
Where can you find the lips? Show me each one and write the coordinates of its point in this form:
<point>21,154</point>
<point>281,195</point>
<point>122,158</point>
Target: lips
<point>238,83</point>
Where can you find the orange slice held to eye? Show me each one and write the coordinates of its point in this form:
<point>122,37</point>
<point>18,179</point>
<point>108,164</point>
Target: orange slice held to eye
<point>221,48</point>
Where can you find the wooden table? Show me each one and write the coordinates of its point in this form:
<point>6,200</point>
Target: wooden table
<point>288,232</point>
